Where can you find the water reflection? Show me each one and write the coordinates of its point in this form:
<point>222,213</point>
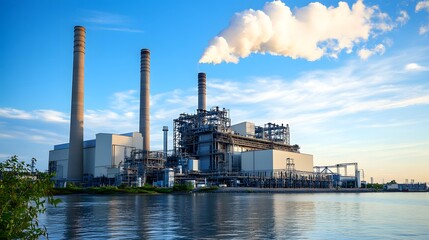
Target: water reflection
<point>236,216</point>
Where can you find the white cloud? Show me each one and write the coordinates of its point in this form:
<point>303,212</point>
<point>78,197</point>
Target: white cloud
<point>99,20</point>
<point>100,17</point>
<point>5,135</point>
<point>403,17</point>
<point>310,32</point>
<point>365,53</point>
<point>413,67</point>
<point>42,115</point>
<point>424,29</point>
<point>422,5</point>
<point>51,116</point>
<point>119,29</point>
<point>381,21</point>
<point>14,113</point>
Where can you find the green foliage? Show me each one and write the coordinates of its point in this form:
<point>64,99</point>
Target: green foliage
<point>183,187</point>
<point>23,195</point>
<point>375,186</point>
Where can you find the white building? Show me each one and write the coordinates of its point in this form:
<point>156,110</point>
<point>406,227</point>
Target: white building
<point>101,156</point>
<point>271,161</point>
<point>246,129</point>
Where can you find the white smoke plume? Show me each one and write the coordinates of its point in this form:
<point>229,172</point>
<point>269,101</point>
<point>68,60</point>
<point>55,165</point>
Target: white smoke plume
<point>309,32</point>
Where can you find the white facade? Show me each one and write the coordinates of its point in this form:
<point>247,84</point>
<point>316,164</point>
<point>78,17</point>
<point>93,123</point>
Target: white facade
<point>275,160</point>
<point>246,129</point>
<point>101,154</point>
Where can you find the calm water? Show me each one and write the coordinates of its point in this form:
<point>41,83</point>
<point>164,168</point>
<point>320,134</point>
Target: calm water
<point>241,216</point>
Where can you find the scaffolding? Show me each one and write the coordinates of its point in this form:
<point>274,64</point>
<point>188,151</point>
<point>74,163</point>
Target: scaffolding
<point>341,177</point>
<point>273,132</point>
<point>207,136</point>
<point>141,166</point>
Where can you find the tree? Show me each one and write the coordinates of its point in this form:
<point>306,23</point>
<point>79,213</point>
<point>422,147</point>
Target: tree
<point>23,195</point>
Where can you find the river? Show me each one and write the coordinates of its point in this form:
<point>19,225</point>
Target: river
<point>240,216</point>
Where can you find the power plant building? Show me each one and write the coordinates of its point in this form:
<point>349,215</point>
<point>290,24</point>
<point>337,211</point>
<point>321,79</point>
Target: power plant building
<point>102,156</point>
<point>205,144</point>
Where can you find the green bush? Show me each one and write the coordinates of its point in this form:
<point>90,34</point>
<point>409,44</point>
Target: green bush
<point>183,187</point>
<point>23,195</point>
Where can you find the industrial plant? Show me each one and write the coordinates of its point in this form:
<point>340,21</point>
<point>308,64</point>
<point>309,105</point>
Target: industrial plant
<point>207,149</point>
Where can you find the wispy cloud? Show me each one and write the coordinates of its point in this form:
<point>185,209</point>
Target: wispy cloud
<point>423,6</point>
<point>403,17</point>
<point>393,124</point>
<point>40,136</point>
<point>423,29</point>
<point>365,53</point>
<point>314,97</point>
<point>415,67</point>
<point>106,21</point>
<point>99,17</point>
<point>14,113</point>
<point>42,115</point>
<point>118,29</point>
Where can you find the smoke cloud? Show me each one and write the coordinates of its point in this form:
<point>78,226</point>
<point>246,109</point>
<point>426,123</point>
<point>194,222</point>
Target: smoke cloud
<point>309,32</point>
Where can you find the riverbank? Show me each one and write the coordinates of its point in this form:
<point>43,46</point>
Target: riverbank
<point>291,190</point>
<point>185,189</point>
<point>112,190</point>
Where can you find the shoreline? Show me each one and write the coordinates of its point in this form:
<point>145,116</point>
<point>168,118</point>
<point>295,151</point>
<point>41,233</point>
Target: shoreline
<point>152,191</point>
<point>291,190</point>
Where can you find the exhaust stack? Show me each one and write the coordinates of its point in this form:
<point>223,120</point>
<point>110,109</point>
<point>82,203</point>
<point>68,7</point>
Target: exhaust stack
<point>165,130</point>
<point>144,98</point>
<point>75,163</point>
<point>201,91</point>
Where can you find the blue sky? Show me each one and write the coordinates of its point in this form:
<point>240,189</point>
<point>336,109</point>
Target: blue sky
<point>352,89</point>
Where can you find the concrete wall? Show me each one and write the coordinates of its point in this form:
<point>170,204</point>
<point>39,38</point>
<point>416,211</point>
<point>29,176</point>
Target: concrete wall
<point>103,154</point>
<point>269,160</point>
<point>246,129</point>
<point>303,162</point>
<point>109,150</point>
<point>257,160</point>
<point>61,157</point>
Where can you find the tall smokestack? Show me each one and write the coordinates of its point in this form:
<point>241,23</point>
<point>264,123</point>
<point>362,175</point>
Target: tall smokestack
<point>75,163</point>
<point>201,91</point>
<point>144,98</point>
<point>165,130</point>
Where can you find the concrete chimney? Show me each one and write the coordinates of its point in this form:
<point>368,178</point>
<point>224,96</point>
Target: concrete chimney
<point>165,130</point>
<point>144,98</point>
<point>75,162</point>
<point>201,91</point>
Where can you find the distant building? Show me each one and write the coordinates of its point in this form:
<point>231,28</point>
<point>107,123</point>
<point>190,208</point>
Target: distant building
<point>406,187</point>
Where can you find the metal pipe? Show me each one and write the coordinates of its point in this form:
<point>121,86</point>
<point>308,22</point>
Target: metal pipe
<point>75,162</point>
<point>145,98</point>
<point>201,91</point>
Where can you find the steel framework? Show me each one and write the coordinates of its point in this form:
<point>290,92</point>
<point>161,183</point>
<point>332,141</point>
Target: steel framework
<point>207,135</point>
